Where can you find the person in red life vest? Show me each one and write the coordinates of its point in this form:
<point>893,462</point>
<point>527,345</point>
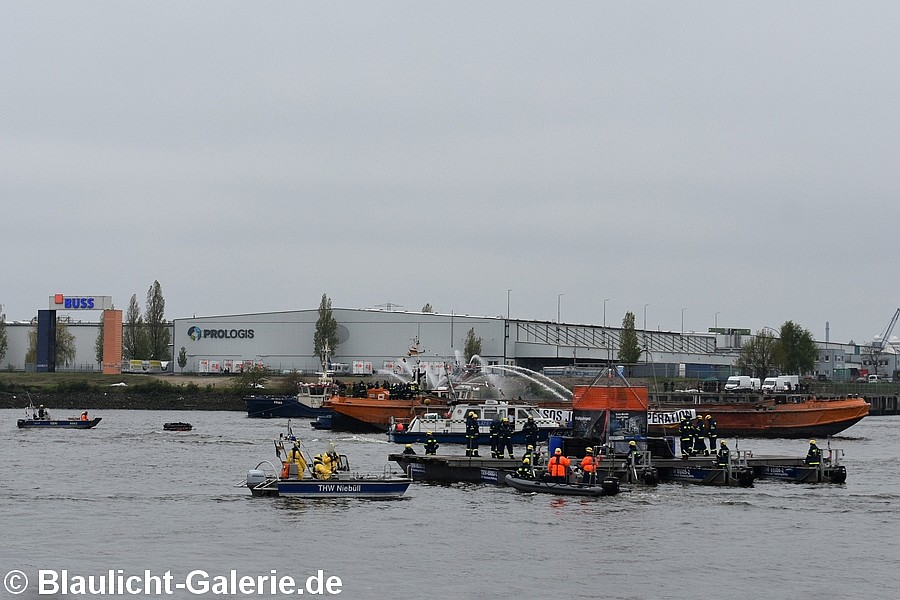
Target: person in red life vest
<point>84,416</point>
<point>589,467</point>
<point>558,467</point>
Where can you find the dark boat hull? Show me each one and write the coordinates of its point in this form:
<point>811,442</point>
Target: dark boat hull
<point>484,439</point>
<point>57,423</point>
<point>380,489</point>
<point>177,426</point>
<point>608,487</point>
<point>280,407</point>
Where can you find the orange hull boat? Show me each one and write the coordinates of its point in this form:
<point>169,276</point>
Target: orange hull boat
<point>377,409</point>
<point>788,416</point>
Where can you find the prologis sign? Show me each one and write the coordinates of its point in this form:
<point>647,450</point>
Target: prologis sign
<point>64,302</point>
<point>196,333</point>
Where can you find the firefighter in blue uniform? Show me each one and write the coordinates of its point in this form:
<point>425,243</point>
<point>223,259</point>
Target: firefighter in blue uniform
<point>472,434</point>
<point>505,440</point>
<point>530,429</point>
<point>431,444</point>
<point>814,456</point>
<point>699,438</point>
<point>722,456</point>
<point>687,438</point>
<point>711,432</point>
<point>494,436</point>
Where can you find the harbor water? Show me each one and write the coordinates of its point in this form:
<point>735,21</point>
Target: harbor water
<point>130,497</point>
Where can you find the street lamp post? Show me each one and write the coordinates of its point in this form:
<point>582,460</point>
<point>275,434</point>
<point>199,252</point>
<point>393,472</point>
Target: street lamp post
<point>645,326</point>
<point>558,297</point>
<point>682,327</point>
<point>506,327</point>
<point>604,311</point>
<point>717,320</point>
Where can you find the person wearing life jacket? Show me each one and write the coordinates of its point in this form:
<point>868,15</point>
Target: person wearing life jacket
<point>558,467</point>
<point>295,456</point>
<point>320,471</point>
<point>687,439</point>
<point>722,456</point>
<point>505,441</point>
<point>409,449</point>
<point>472,432</point>
<point>711,432</point>
<point>530,429</point>
<point>84,416</point>
<point>589,467</point>
<point>42,413</point>
<point>814,456</point>
<point>431,444</point>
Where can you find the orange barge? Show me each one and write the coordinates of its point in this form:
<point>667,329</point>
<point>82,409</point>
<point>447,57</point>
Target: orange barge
<point>755,415</point>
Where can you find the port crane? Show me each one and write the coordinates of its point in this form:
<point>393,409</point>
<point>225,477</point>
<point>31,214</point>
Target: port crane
<point>886,336</point>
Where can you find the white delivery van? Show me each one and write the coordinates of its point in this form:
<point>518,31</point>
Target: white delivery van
<point>742,382</point>
<point>782,383</point>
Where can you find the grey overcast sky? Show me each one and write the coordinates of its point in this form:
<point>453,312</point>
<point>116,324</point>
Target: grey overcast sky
<point>727,162</point>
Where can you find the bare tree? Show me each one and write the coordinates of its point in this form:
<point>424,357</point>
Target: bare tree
<point>758,354</point>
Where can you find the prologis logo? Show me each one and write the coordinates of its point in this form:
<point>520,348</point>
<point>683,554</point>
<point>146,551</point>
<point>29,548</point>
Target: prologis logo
<point>195,333</point>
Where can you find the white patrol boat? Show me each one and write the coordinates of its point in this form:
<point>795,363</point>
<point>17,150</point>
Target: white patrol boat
<point>450,428</point>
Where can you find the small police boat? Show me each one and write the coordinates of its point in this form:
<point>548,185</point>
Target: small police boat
<point>607,487</point>
<point>69,423</point>
<point>40,419</point>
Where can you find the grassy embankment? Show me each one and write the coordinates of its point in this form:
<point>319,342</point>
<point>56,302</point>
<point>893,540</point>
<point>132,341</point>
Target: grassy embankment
<point>93,391</point>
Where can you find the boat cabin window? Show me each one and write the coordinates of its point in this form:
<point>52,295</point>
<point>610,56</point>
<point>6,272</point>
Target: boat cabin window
<point>522,414</point>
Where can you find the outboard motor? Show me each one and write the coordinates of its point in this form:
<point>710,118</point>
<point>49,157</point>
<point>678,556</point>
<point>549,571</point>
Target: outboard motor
<point>610,486</point>
<point>255,477</point>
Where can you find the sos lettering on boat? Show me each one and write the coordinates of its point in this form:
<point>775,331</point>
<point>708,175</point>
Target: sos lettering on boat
<point>196,333</point>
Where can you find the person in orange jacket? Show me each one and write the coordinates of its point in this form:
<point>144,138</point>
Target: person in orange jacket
<point>558,467</point>
<point>589,467</point>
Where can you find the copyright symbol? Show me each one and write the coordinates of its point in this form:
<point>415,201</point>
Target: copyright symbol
<point>15,582</point>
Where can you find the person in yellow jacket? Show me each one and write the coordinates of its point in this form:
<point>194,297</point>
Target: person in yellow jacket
<point>295,456</point>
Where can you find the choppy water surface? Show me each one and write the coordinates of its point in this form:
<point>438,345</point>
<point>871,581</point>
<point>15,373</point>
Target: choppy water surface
<point>128,495</point>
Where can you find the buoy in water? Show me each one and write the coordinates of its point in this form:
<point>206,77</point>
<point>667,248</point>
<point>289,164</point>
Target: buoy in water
<point>399,427</point>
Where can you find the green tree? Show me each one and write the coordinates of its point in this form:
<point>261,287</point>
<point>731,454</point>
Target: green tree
<point>473,345</point>
<point>182,358</point>
<point>251,379</point>
<point>796,351</point>
<point>134,344</point>
<point>65,345</point>
<point>427,308</point>
<point>155,323</point>
<point>4,341</point>
<point>758,354</point>
<point>629,349</point>
<point>325,339</point>
<point>98,345</point>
